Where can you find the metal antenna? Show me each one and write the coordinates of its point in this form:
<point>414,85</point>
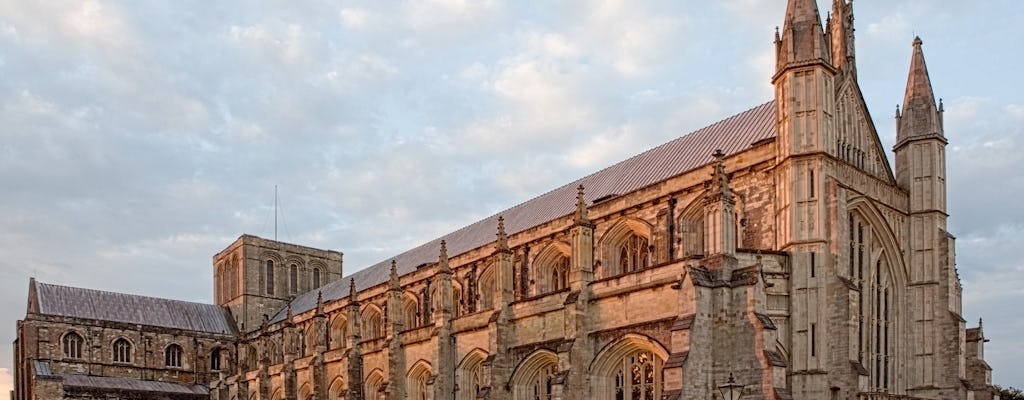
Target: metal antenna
<point>275,212</point>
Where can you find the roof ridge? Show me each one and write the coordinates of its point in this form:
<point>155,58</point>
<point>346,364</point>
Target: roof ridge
<point>677,156</point>
<point>125,294</point>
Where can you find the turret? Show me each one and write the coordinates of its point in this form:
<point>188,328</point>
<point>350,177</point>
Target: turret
<point>719,213</point>
<point>802,39</point>
<point>920,141</point>
<point>840,28</point>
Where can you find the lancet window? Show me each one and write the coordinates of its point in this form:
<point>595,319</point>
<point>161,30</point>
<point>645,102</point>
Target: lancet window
<point>870,271</point>
<point>215,359</point>
<point>373,324</point>
<point>270,277</point>
<point>552,269</point>
<point>339,333</point>
<point>293,278</point>
<point>535,377</point>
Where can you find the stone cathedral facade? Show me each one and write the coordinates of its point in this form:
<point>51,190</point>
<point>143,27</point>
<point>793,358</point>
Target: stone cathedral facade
<point>776,249</point>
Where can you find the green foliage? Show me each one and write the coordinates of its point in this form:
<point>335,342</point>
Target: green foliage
<point>1010,393</point>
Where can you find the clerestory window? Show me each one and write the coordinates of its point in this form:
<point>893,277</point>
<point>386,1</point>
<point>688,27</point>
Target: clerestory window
<point>172,356</point>
<point>122,351</point>
<point>72,344</point>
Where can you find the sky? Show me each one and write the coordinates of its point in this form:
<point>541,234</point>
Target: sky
<point>138,138</point>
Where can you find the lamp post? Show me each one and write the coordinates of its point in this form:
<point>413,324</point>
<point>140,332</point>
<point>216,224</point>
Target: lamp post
<point>731,390</point>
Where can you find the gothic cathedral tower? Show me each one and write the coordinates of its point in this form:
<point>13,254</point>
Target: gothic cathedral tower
<point>874,289</point>
<point>804,112</point>
<point>256,277</point>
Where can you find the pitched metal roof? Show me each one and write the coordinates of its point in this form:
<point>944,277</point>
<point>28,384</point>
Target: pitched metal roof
<point>132,385</point>
<point>691,151</point>
<point>133,309</point>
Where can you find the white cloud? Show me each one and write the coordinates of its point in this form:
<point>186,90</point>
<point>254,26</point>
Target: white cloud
<point>6,381</point>
<point>147,138</point>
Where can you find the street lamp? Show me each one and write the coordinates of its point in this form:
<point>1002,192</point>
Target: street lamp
<point>731,390</point>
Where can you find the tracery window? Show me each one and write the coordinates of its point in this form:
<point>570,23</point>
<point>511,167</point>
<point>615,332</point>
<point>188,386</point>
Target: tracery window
<point>469,376</point>
<point>270,277</point>
<point>409,312</point>
<point>416,382</point>
<point>457,300</point>
<point>633,254</point>
<point>535,377</point>
<point>251,358</point>
<point>172,356</point>
<point>636,378</point>
<point>372,387</point>
<point>373,324</point>
<point>487,288</point>
<point>560,274</point>
<point>122,351</point>
<point>541,387</point>
<point>72,344</point>
<point>339,333</point>
<point>870,271</point>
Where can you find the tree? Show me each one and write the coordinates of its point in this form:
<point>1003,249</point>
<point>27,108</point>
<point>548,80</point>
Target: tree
<point>1010,393</point>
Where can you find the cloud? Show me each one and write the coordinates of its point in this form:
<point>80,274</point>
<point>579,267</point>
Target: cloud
<point>141,138</point>
<point>6,381</point>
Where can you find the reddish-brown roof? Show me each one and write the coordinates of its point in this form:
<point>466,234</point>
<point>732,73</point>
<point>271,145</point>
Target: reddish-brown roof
<point>133,309</point>
<point>731,135</point>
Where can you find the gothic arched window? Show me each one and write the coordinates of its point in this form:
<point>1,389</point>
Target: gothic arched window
<point>122,351</point>
<point>293,280</point>
<point>487,288</point>
<point>635,378</point>
<point>270,277</point>
<point>339,333</point>
<point>72,344</point>
<point>373,386</point>
<point>629,369</point>
<point>870,271</point>
<point>535,377</point>
<point>551,268</point>
<point>469,375</point>
<point>215,359</point>
<point>316,277</point>
<point>373,323</point>
<point>633,253</point>
<point>416,382</point>
<point>172,356</point>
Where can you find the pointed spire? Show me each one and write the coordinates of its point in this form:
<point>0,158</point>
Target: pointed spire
<point>442,259</point>
<point>719,178</point>
<point>803,39</point>
<point>921,116</point>
<point>582,216</point>
<point>352,290</point>
<point>319,302</point>
<point>395,283</point>
<point>841,33</point>
<point>502,237</point>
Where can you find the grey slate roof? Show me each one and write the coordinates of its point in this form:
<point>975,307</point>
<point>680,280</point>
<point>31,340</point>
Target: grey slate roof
<point>731,135</point>
<point>133,309</point>
<point>132,385</point>
<point>42,370</point>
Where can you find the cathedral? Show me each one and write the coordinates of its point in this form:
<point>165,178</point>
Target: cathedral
<point>773,255</point>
